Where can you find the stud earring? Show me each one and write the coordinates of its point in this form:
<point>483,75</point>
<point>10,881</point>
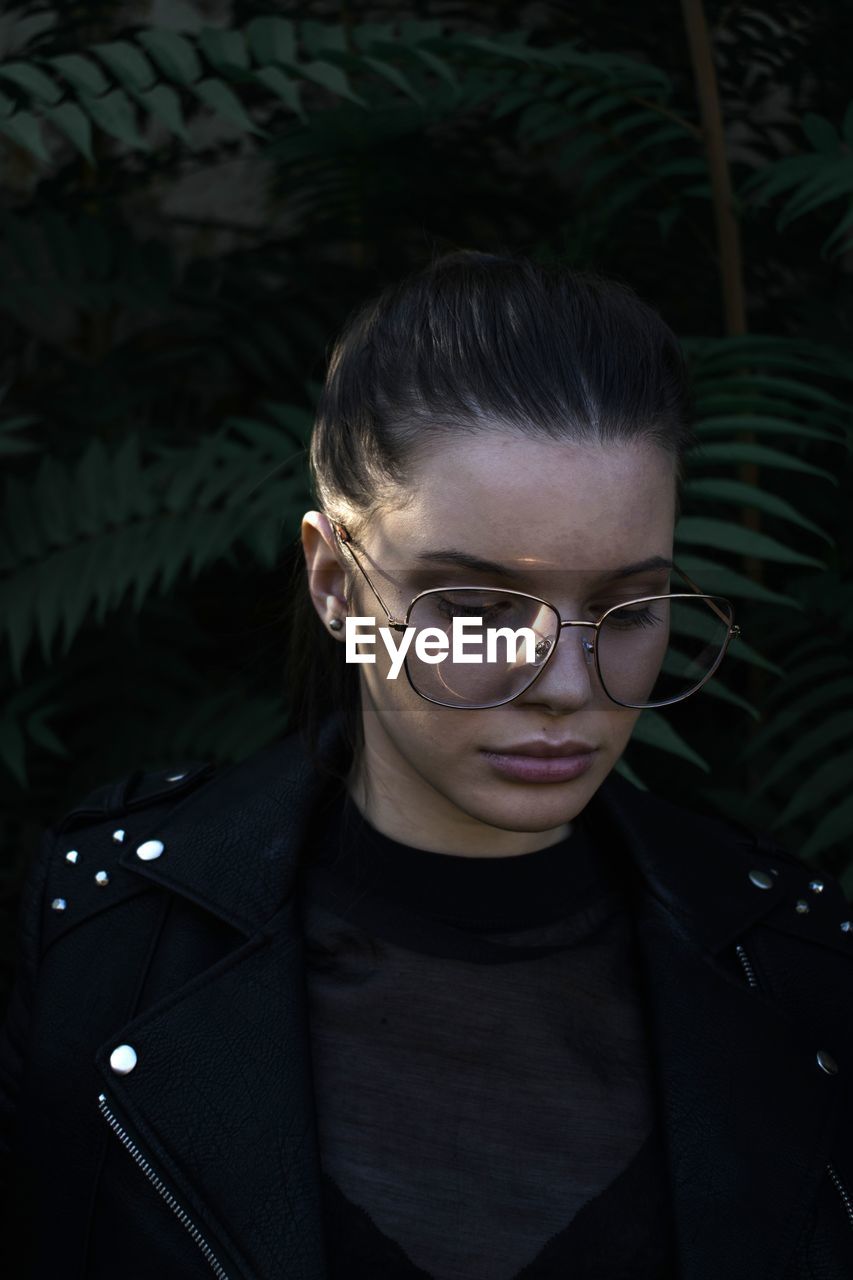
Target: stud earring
<point>335,624</point>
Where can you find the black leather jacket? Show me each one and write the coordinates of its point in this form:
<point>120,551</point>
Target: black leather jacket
<point>201,1160</point>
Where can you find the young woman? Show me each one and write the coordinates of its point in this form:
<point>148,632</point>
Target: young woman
<point>430,989</point>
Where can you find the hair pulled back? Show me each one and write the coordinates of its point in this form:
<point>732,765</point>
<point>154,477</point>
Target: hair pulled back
<point>470,343</point>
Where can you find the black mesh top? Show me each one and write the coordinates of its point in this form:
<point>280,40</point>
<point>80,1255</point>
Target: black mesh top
<point>483,1089</point>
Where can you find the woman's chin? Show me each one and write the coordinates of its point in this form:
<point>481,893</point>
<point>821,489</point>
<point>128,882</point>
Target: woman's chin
<point>532,807</point>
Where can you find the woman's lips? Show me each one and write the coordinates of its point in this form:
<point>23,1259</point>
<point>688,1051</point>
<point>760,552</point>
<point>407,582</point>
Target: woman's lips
<point>527,768</point>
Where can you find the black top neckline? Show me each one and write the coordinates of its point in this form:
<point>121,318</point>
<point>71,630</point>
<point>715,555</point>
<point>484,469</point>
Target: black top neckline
<point>483,893</point>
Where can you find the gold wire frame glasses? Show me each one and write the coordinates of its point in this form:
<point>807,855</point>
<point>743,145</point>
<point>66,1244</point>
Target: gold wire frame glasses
<point>718,605</point>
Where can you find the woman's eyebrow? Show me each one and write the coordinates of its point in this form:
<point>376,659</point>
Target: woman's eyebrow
<point>465,561</point>
<point>478,565</point>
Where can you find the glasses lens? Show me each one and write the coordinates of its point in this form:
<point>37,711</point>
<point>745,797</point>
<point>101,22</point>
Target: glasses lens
<point>650,651</point>
<point>489,667</point>
<point>658,650</point>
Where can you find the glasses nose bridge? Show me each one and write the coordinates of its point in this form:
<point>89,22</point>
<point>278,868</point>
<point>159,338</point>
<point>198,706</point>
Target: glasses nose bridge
<point>587,643</point>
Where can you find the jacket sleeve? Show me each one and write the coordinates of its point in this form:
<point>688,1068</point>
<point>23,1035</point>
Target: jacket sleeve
<point>15,1032</point>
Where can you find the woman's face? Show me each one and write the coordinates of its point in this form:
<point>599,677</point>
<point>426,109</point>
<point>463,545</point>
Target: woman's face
<point>562,518</point>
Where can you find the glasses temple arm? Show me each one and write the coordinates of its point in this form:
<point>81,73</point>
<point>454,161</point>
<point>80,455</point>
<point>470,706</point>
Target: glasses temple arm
<point>345,540</point>
<point>699,591</point>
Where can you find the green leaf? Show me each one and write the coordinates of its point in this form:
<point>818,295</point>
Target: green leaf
<point>630,120</point>
<point>804,672</point>
<point>75,124</point>
<point>222,99</point>
<point>366,34</point>
<point>10,447</point>
<point>32,79</point>
<point>654,731</point>
<point>844,225</point>
<point>749,495</point>
<point>272,40</point>
<point>627,772</point>
<point>393,75</point>
<point>513,45</point>
<point>578,149</point>
<point>321,37</point>
<point>25,131</point>
<point>816,743</point>
<point>415,30</point>
<point>725,535</point>
<point>331,78</point>
<point>776,177</point>
<point>13,750</point>
<point>821,133</point>
<point>174,55</point>
<point>115,115</point>
<point>799,706</point>
<point>687,164</point>
<point>438,65</point>
<point>225,50</point>
<point>831,778</point>
<point>734,451</point>
<point>164,102</point>
<point>81,73</point>
<point>718,580</point>
<point>847,126</point>
<point>758,382</point>
<point>833,828</point>
<point>19,518</point>
<point>127,63</point>
<point>834,181</point>
<point>283,87</point>
<point>42,734</point>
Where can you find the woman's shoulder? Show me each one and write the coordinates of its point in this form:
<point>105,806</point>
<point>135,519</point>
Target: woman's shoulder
<point>719,872</point>
<point>182,829</point>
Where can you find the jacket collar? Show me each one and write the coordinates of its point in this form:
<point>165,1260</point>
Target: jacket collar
<point>233,845</point>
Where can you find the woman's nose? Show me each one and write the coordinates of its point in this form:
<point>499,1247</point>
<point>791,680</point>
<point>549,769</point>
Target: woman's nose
<point>569,677</point>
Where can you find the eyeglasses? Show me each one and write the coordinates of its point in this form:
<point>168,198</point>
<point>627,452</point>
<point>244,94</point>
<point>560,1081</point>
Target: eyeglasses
<point>647,652</point>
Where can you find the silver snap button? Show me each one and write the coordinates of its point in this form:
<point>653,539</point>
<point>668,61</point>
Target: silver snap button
<point>802,906</point>
<point>102,877</point>
<point>761,879</point>
<point>123,1059</point>
<point>816,886</point>
<point>72,855</point>
<point>118,836</point>
<point>59,904</point>
<point>827,1063</point>
<point>176,777</point>
<point>150,849</point>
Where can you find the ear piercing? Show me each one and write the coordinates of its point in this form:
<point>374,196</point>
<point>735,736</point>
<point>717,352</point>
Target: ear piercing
<point>335,624</point>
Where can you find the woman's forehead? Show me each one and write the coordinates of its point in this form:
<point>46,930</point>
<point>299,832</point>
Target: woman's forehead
<point>533,504</point>
<point>531,470</point>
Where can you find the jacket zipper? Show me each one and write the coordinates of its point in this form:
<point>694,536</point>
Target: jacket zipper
<point>846,1201</point>
<point>162,1190</point>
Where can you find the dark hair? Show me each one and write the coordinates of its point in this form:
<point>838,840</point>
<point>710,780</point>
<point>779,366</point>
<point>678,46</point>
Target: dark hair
<point>471,341</point>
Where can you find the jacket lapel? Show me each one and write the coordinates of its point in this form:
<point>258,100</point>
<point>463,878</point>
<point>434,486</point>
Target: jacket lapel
<point>749,1117</point>
<point>221,1103</point>
<point>221,1098</point>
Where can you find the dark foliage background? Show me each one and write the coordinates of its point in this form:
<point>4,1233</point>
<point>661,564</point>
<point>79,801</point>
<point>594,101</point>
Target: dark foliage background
<point>195,194</point>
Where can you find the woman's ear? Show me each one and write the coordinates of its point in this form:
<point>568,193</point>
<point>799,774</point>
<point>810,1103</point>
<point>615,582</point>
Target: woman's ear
<point>326,573</point>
